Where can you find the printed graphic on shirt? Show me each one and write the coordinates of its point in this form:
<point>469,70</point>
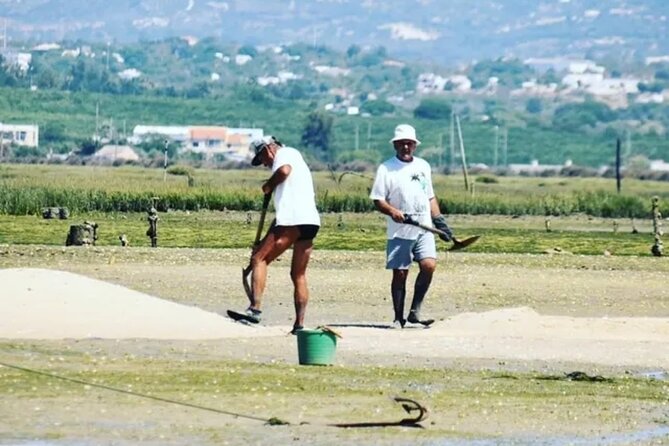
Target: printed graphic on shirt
<point>420,177</point>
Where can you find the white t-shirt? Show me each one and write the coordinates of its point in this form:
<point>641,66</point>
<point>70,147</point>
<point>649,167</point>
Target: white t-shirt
<point>406,186</point>
<point>294,199</point>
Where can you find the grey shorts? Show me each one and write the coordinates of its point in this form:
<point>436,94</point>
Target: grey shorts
<point>401,252</point>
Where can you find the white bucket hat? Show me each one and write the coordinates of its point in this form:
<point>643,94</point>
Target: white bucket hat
<point>405,131</point>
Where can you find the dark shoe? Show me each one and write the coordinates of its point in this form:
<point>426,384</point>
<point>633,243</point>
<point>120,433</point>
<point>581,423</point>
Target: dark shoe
<point>253,315</point>
<point>295,329</point>
<point>413,319</point>
<point>250,316</point>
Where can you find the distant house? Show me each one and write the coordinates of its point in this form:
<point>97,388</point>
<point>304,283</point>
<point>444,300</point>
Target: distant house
<point>112,152</point>
<point>46,47</point>
<point>430,82</point>
<point>206,139</point>
<point>20,134</point>
<point>659,166</point>
<point>534,168</point>
<point>129,74</point>
<point>232,143</point>
<point>16,59</point>
<point>331,71</point>
<point>178,134</point>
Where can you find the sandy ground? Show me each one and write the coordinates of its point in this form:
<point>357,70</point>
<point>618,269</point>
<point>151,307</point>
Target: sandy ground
<point>52,304</point>
<point>506,313</point>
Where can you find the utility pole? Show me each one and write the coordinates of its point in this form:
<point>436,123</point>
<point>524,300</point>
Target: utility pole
<point>496,146</point>
<point>2,142</point>
<point>452,135</point>
<point>441,146</point>
<point>165,162</point>
<point>357,136</point>
<point>618,165</point>
<point>369,133</point>
<point>462,154</point>
<point>97,121</point>
<point>506,146</point>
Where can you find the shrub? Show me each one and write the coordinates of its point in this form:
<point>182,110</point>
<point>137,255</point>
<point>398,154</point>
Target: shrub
<point>486,179</point>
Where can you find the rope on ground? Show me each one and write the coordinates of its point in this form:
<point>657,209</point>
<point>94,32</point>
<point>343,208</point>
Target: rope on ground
<point>407,404</point>
<point>271,421</point>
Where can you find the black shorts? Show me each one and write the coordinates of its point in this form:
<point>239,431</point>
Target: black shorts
<point>307,232</point>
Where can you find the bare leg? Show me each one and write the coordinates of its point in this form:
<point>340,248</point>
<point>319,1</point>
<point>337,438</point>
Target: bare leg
<point>273,245</point>
<point>398,293</point>
<point>301,255</point>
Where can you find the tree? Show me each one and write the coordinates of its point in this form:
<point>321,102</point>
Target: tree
<point>88,147</point>
<point>317,133</point>
<point>248,50</point>
<point>377,107</point>
<point>575,116</point>
<point>534,106</point>
<point>433,108</point>
<point>352,51</point>
<point>52,131</point>
<point>511,73</point>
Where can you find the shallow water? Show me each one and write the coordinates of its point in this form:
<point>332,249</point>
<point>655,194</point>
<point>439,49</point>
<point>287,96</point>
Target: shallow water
<point>629,438</point>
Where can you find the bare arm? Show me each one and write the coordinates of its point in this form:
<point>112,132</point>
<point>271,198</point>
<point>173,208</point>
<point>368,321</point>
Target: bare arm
<point>277,178</point>
<point>385,208</point>
<point>434,207</point>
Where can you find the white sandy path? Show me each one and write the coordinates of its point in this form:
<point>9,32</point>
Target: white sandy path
<point>48,304</point>
<point>522,333</point>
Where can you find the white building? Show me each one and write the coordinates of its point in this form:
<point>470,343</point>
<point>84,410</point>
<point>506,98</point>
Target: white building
<point>430,83</point>
<point>20,134</point>
<point>459,83</point>
<point>534,168</point>
<point>178,134</point>
<point>16,58</point>
<point>659,166</point>
<point>129,74</point>
<point>332,71</point>
<point>611,87</point>
<point>242,59</point>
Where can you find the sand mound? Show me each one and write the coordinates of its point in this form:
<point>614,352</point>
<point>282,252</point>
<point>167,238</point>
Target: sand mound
<point>49,304</point>
<point>522,333</point>
<point>526,323</point>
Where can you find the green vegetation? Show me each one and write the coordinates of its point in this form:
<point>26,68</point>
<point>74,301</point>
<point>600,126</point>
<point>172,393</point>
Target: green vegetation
<point>27,189</point>
<point>72,90</point>
<point>215,209</point>
<point>342,394</point>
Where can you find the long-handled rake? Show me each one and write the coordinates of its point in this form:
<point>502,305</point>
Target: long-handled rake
<point>246,271</point>
<point>457,243</point>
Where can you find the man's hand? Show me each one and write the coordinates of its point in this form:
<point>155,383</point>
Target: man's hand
<point>397,215</point>
<point>439,222</point>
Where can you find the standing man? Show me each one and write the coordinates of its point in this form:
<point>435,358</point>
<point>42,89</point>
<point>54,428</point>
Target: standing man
<point>296,224</point>
<point>403,191</point>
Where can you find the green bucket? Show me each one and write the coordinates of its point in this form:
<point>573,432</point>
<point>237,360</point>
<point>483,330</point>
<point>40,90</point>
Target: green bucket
<point>316,347</point>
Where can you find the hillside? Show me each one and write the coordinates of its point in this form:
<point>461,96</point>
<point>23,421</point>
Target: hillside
<point>444,32</point>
